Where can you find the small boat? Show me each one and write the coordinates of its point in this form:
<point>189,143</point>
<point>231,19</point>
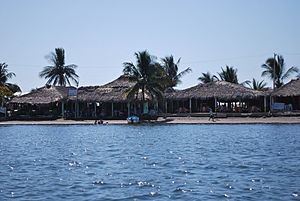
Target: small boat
<point>133,120</point>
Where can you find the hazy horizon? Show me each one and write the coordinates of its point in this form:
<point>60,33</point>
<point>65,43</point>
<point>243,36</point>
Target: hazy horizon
<point>99,36</point>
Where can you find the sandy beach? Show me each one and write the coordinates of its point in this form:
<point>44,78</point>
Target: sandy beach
<point>170,120</point>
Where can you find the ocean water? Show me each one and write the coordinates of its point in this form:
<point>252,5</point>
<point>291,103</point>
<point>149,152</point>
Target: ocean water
<point>150,162</point>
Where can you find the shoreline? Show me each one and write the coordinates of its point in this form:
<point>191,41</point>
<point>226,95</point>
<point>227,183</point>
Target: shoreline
<point>168,121</point>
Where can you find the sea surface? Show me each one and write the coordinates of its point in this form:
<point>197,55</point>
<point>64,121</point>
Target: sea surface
<point>150,162</point>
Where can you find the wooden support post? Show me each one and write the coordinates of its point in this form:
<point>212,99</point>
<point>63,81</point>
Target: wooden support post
<point>112,109</point>
<point>63,109</point>
<point>265,104</point>
<point>166,106</point>
<point>215,103</point>
<point>271,103</point>
<point>75,109</point>
<point>128,109</point>
<point>190,105</point>
<point>95,109</point>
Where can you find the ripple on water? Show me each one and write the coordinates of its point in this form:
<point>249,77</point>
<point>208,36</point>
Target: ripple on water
<point>179,162</point>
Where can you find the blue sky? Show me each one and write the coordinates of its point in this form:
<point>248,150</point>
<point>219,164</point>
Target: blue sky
<point>100,35</point>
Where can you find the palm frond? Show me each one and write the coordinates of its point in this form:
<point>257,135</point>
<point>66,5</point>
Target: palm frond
<point>184,72</point>
<point>171,70</point>
<point>289,72</point>
<point>59,73</point>
<point>274,69</point>
<point>13,87</point>
<point>4,74</point>
<point>207,78</point>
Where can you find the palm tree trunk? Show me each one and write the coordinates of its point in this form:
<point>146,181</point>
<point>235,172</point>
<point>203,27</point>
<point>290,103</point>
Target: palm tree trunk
<point>143,93</point>
<point>143,97</point>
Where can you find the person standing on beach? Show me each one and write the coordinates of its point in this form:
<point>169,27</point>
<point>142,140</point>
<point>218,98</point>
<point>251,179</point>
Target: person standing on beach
<point>211,115</point>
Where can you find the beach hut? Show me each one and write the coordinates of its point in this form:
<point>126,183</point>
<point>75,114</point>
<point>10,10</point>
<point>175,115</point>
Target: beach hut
<point>220,95</point>
<point>110,100</point>
<point>104,101</point>
<point>45,102</point>
<point>289,95</point>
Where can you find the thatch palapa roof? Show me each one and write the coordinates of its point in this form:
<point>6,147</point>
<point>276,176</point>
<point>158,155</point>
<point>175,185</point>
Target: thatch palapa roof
<point>44,95</point>
<point>290,89</point>
<point>114,91</point>
<point>219,89</point>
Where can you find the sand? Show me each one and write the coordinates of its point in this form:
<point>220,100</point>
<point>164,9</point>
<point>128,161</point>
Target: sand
<point>170,120</point>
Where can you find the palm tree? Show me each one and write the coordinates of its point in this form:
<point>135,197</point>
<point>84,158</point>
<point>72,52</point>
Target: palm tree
<point>59,73</point>
<point>207,78</point>
<point>171,71</point>
<point>5,76</point>
<point>274,68</point>
<point>147,75</point>
<point>4,91</point>
<point>229,75</point>
<point>256,85</point>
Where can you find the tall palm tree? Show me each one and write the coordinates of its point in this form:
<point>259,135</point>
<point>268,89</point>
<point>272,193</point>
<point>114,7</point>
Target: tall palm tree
<point>59,73</point>
<point>147,75</point>
<point>255,84</point>
<point>207,78</point>
<point>229,75</point>
<point>171,71</point>
<point>274,68</point>
<point>5,75</point>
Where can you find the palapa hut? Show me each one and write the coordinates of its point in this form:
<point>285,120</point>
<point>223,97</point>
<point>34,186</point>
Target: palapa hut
<point>45,101</point>
<point>91,102</point>
<point>104,101</point>
<point>221,96</point>
<point>108,101</point>
<point>288,94</point>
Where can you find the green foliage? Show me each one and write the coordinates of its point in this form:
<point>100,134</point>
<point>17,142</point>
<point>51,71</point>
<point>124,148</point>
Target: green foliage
<point>274,69</point>
<point>170,69</point>
<point>5,91</point>
<point>147,74</point>
<point>59,73</point>
<point>5,75</point>
<point>229,75</point>
<point>256,85</point>
<point>207,78</point>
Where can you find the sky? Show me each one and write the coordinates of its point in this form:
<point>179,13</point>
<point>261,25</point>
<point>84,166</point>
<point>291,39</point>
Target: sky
<point>100,35</point>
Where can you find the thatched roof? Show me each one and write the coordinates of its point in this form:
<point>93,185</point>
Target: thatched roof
<point>290,89</point>
<point>43,95</point>
<point>219,89</point>
<point>114,91</point>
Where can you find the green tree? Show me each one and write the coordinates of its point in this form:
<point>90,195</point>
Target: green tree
<point>59,73</point>
<point>5,75</point>
<point>207,78</point>
<point>4,91</point>
<point>146,74</point>
<point>256,85</point>
<point>171,71</point>
<point>274,69</point>
<point>229,75</point>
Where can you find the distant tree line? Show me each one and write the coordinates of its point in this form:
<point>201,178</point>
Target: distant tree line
<point>274,68</point>
<point>152,76</point>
